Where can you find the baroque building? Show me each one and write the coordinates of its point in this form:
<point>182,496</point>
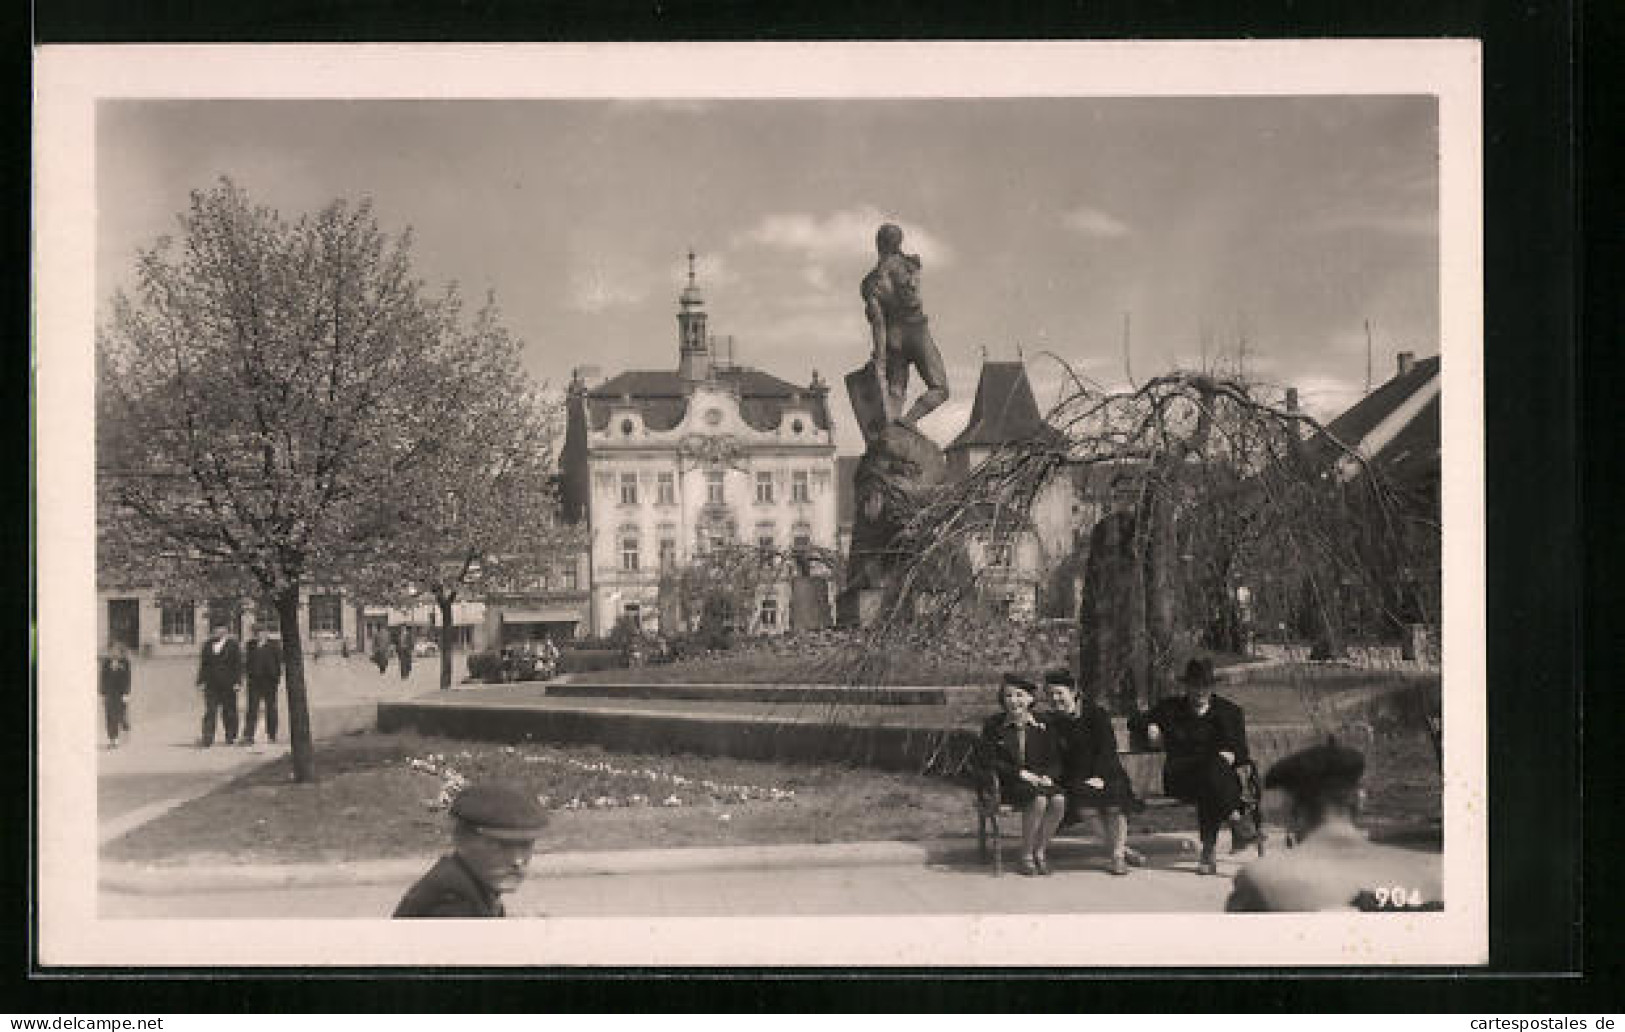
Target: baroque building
<point>665,465</point>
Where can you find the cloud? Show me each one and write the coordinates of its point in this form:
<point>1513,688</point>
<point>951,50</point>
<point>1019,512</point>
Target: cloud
<point>841,235</point>
<point>1092,222</point>
<point>595,289</point>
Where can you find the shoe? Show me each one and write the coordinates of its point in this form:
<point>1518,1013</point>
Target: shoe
<point>1028,867</point>
<point>1206,865</point>
<point>1241,837</point>
<point>1119,865</point>
<point>1134,857</point>
<point>1042,863</point>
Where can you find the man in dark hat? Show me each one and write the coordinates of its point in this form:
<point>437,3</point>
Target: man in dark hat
<point>899,330</point>
<point>496,825</point>
<point>1332,865</point>
<point>1204,737</point>
<point>220,670</point>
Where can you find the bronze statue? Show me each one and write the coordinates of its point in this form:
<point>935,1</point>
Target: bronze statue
<point>900,332</point>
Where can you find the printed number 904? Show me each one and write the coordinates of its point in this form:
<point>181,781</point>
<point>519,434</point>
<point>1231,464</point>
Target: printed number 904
<point>1396,896</point>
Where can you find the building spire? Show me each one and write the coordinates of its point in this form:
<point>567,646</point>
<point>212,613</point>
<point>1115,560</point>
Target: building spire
<point>693,342</point>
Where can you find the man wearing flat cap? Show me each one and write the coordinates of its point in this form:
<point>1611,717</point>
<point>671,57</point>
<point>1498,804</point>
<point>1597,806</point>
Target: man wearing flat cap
<point>495,828</point>
<point>1332,866</point>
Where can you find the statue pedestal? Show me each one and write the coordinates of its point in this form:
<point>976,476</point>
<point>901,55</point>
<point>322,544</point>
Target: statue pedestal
<point>858,607</point>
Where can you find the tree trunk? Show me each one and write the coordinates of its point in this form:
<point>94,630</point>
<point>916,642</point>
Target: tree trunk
<point>445,600</point>
<point>293,669</point>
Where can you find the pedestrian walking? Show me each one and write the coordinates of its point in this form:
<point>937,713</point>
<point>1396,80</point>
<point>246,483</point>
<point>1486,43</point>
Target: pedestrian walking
<point>495,825</point>
<point>114,685</point>
<point>403,652</point>
<point>220,670</point>
<point>381,650</point>
<point>263,659</point>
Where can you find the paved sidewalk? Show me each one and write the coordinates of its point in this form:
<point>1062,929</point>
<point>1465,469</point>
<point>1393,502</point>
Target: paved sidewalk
<point>160,765</point>
<point>859,879</point>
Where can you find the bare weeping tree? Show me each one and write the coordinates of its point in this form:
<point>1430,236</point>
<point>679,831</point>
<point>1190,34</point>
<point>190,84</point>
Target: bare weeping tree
<point>1216,483</point>
<point>276,398</point>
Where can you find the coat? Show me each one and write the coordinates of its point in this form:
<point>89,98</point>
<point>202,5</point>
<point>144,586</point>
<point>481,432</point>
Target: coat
<point>114,677</point>
<point>1338,868</point>
<point>1008,753</point>
<point>223,670</point>
<point>449,890</point>
<point>1089,750</point>
<point>264,663</point>
<point>1192,743</point>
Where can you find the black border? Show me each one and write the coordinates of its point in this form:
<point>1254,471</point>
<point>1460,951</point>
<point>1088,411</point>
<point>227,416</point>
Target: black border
<point>1532,436</point>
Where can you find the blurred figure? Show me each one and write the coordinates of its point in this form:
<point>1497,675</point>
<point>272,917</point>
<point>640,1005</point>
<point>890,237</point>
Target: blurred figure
<point>264,662</point>
<point>1332,866</point>
<point>113,682</point>
<point>380,650</point>
<point>494,832</point>
<point>403,651</point>
<point>1204,737</point>
<point>1027,759</point>
<point>1092,774</point>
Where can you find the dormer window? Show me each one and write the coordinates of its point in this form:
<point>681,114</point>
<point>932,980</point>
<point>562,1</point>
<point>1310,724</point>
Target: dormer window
<point>796,426</point>
<point>626,428</point>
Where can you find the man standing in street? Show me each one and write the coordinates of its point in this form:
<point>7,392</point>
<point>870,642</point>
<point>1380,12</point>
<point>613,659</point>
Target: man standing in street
<point>403,651</point>
<point>494,832</point>
<point>264,662</point>
<point>220,670</point>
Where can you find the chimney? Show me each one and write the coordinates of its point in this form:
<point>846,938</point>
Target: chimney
<point>1292,399</point>
<point>1405,359</point>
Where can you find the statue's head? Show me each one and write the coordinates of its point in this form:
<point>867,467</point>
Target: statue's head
<point>889,239</point>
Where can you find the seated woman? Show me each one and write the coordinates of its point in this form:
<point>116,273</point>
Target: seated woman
<point>1205,739</point>
<point>1024,754</point>
<point>1091,773</point>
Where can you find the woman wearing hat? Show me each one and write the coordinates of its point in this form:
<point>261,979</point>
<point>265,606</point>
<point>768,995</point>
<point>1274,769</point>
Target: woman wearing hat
<point>1027,759</point>
<point>1092,774</point>
<point>1204,737</point>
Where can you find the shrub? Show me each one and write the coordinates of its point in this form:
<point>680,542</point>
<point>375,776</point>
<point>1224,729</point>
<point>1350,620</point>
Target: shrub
<point>580,660</point>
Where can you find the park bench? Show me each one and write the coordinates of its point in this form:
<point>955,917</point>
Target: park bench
<point>990,807</point>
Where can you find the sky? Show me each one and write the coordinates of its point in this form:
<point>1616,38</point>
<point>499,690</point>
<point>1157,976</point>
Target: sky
<point>1183,228</point>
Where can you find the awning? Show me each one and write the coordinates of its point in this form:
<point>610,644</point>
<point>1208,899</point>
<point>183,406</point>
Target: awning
<point>519,616</point>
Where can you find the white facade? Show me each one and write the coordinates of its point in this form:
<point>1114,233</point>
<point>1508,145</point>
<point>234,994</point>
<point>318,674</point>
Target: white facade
<point>657,496</point>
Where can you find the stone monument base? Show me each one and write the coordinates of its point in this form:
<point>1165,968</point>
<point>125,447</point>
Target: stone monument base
<point>858,607</point>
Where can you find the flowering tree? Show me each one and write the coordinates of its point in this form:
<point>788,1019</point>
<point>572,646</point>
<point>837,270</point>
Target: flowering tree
<point>270,394</point>
<point>484,509</point>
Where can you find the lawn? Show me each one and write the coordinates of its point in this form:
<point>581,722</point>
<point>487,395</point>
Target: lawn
<point>383,796</point>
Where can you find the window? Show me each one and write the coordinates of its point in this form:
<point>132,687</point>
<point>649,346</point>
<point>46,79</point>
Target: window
<point>998,553</point>
<point>629,552</point>
<point>632,613</point>
<point>569,573</point>
<point>665,489</point>
<point>668,553</point>
<point>626,428</point>
<point>796,426</point>
<point>177,622</point>
<point>765,537</point>
<point>799,491</point>
<point>713,486</point>
<point>764,487</point>
<point>769,614</point>
<point>802,536</point>
<point>629,489</point>
<point>326,615</point>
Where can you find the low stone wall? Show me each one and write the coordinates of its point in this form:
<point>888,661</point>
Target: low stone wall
<point>785,739</point>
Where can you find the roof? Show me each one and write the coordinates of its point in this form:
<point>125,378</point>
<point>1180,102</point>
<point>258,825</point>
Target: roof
<point>1396,426</point>
<point>1005,410</point>
<point>661,396</point>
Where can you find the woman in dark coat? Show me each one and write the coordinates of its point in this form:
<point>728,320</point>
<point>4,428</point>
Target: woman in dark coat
<point>1092,774</point>
<point>1204,737</point>
<point>114,685</point>
<point>1027,759</point>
